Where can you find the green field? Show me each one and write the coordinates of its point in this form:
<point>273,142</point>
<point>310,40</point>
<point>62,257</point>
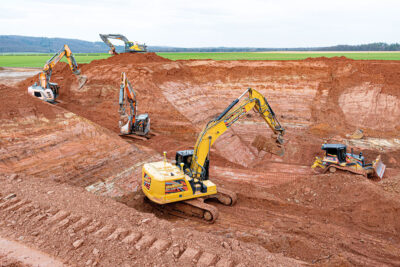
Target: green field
<point>280,55</point>
<point>38,60</point>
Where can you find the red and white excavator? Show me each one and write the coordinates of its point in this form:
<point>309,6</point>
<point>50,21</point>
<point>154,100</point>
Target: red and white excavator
<point>48,91</point>
<point>130,122</point>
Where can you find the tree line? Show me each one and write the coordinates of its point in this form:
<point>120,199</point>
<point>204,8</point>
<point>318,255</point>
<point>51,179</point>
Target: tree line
<point>26,44</point>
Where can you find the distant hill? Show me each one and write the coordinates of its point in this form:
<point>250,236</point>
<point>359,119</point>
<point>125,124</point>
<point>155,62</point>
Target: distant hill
<point>17,44</point>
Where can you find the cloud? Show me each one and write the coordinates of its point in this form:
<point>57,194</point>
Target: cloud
<point>256,23</point>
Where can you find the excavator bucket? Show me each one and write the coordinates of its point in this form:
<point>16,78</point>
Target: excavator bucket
<point>269,145</point>
<point>379,167</point>
<point>82,79</point>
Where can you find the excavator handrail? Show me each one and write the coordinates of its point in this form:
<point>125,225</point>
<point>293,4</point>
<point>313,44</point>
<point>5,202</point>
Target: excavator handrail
<point>222,122</point>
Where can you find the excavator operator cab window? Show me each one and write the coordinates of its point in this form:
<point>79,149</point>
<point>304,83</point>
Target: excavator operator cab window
<point>341,155</point>
<point>185,157</point>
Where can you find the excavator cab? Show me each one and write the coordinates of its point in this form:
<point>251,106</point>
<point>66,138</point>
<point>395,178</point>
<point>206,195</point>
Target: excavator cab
<point>48,94</point>
<point>186,157</point>
<point>142,124</point>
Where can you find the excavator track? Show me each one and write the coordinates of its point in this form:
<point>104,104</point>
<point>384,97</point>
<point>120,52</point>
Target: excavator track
<point>226,197</point>
<point>190,209</point>
<point>333,168</point>
<point>197,208</point>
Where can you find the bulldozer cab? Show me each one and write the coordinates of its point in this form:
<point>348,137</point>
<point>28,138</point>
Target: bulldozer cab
<point>335,150</point>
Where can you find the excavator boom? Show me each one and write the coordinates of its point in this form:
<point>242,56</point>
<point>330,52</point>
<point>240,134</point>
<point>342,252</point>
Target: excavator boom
<point>217,126</point>
<point>65,51</point>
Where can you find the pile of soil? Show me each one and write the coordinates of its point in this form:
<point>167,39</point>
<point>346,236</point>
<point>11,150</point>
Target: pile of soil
<point>17,103</point>
<point>130,58</point>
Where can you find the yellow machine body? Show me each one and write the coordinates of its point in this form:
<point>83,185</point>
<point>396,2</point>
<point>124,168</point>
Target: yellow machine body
<point>336,158</point>
<point>165,183</point>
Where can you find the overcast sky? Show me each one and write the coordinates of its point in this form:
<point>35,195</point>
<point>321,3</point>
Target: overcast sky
<point>232,23</point>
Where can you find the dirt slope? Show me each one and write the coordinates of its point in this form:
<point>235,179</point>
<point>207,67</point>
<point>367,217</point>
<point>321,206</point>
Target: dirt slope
<point>335,220</point>
<point>97,231</point>
<point>42,140</point>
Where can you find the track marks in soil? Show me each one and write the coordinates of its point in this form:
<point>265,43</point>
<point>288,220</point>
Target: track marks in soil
<point>85,231</point>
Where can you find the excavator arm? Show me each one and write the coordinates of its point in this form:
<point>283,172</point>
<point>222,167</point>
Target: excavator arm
<point>127,96</point>
<point>105,38</point>
<point>65,51</point>
<point>217,126</point>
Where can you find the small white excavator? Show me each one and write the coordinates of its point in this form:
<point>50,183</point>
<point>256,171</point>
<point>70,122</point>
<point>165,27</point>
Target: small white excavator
<point>130,122</point>
<point>130,47</point>
<point>47,90</point>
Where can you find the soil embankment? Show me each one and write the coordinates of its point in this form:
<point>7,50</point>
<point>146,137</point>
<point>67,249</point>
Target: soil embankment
<point>285,214</point>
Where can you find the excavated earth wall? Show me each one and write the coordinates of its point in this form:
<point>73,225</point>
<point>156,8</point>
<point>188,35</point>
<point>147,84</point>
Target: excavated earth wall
<point>285,215</point>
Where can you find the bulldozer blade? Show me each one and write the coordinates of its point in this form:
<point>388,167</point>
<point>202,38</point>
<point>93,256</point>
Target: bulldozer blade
<point>82,79</point>
<point>379,168</point>
<point>268,145</point>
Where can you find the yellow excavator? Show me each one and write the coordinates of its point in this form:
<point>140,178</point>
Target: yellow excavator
<point>182,188</point>
<point>130,47</point>
<point>131,123</point>
<point>47,90</point>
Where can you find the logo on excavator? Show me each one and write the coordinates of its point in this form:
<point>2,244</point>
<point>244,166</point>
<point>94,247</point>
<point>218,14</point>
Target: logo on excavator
<point>234,117</point>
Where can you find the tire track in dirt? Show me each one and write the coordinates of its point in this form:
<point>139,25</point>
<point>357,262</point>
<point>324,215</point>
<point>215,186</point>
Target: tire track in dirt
<point>80,238</point>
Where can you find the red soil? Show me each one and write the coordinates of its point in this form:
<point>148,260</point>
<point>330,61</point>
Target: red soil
<point>283,208</point>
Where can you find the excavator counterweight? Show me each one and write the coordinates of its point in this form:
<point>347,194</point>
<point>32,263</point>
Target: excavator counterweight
<point>184,187</point>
